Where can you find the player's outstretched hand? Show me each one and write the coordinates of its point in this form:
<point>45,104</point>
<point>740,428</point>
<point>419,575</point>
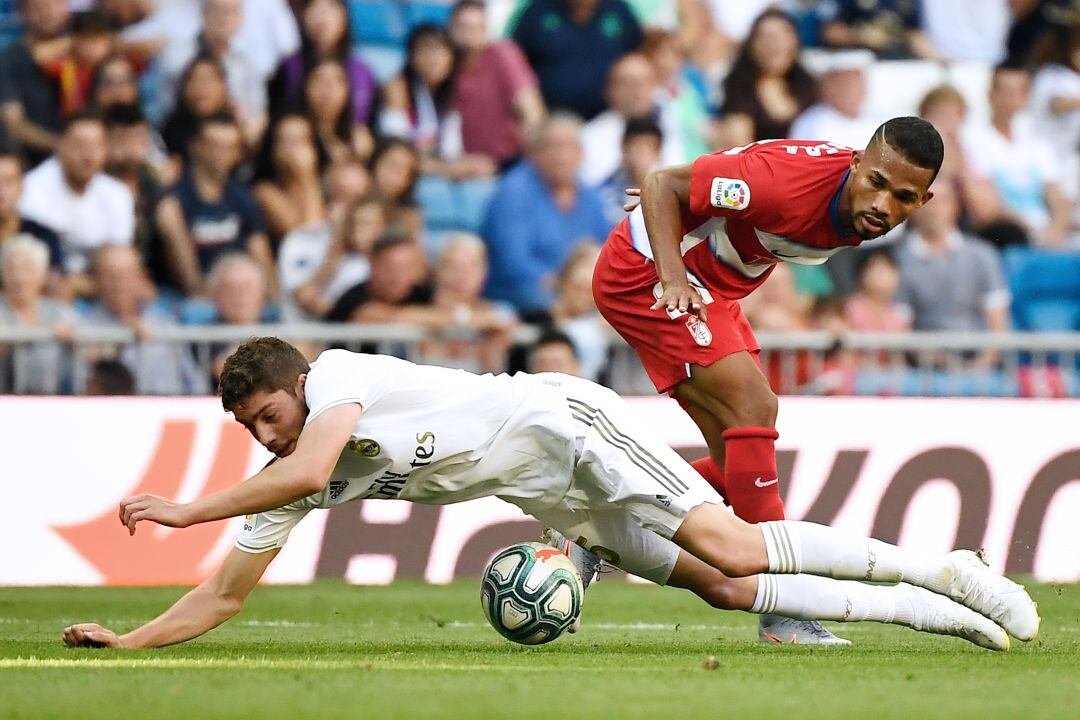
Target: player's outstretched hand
<point>91,635</point>
<point>152,507</point>
<point>631,205</point>
<point>682,297</point>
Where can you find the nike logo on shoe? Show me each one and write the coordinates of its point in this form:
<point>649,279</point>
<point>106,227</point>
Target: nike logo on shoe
<point>766,484</point>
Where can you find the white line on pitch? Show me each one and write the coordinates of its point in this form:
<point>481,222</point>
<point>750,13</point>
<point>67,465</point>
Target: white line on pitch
<point>269,664</point>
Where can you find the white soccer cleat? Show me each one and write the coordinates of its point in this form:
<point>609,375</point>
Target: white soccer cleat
<point>939,615</point>
<point>976,586</point>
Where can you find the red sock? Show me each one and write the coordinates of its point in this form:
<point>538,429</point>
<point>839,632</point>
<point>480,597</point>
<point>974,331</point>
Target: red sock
<point>712,473</point>
<point>750,474</point>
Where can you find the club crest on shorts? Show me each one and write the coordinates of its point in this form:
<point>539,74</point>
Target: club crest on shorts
<point>730,193</point>
<point>699,330</point>
<point>364,446</point>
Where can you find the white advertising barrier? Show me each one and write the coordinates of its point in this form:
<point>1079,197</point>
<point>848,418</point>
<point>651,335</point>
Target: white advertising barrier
<point>1003,475</point>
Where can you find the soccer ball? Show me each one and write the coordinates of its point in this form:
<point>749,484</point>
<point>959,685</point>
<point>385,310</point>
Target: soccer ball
<point>531,593</point>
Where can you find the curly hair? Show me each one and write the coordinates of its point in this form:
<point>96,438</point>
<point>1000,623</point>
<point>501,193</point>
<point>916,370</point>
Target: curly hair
<point>260,364</point>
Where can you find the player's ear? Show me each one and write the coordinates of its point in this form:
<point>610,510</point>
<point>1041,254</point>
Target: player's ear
<point>927,197</point>
<point>301,381</point>
<point>856,158</point>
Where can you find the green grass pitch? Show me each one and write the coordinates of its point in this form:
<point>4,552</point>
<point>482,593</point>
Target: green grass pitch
<point>331,650</point>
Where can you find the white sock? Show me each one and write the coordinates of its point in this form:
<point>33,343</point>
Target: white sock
<point>805,547</point>
<point>807,597</point>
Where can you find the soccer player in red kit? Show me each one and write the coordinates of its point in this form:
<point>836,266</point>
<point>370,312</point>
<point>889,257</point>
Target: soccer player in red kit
<point>705,235</point>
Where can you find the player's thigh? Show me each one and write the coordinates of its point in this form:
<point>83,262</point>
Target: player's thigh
<point>733,390</point>
<point>623,466</point>
<point>616,538</point>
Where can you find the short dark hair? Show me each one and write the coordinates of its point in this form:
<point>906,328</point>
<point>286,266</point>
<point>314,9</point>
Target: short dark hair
<point>110,377</point>
<point>864,258</point>
<point>915,139</point>
<point>92,22</point>
<point>551,336</point>
<point>89,115</point>
<point>467,5</point>
<point>636,127</point>
<point>389,240</point>
<point>124,116</point>
<point>261,364</point>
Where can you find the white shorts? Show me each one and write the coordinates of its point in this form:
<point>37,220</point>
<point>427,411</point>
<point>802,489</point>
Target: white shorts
<point>629,493</point>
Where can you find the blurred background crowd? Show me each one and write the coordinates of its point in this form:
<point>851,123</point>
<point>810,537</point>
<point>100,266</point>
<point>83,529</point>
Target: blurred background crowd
<point>454,168</point>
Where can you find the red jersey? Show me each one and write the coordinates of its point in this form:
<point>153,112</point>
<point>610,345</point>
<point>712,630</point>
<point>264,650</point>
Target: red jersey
<point>754,206</point>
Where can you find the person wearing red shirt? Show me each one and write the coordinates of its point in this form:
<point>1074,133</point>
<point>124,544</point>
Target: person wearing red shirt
<point>708,233</point>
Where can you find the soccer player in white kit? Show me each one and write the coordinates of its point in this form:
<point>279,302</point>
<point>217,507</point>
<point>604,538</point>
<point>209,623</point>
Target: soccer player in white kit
<point>353,426</point>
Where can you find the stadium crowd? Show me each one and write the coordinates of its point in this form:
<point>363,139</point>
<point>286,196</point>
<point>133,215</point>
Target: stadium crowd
<point>455,167</point>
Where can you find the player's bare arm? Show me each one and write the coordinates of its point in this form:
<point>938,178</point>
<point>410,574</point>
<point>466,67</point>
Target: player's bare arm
<point>301,472</point>
<point>205,607</point>
<point>664,195</point>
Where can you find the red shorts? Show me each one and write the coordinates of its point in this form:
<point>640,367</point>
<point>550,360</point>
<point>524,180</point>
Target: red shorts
<point>625,286</point>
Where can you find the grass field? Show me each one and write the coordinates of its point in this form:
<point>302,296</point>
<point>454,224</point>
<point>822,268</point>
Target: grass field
<point>331,650</point>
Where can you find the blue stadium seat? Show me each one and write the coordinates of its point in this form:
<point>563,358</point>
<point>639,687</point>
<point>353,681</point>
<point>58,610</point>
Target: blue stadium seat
<point>376,22</point>
<point>437,199</point>
<point>417,13</point>
<point>1045,286</point>
<point>10,23</point>
<point>472,200</point>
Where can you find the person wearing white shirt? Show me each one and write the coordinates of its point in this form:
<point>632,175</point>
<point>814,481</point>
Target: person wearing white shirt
<point>1025,170</point>
<point>71,195</point>
<point>839,116</point>
<point>631,93</point>
<point>1055,103</point>
<point>967,29</point>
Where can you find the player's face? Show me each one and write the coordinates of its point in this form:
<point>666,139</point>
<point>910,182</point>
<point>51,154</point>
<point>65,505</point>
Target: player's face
<point>274,419</point>
<point>885,190</point>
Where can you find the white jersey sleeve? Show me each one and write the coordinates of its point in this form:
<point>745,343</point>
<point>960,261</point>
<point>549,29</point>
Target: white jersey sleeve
<point>339,377</point>
<point>269,530</point>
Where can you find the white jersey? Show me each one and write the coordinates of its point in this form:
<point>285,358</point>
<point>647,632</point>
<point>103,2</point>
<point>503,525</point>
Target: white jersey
<point>431,435</point>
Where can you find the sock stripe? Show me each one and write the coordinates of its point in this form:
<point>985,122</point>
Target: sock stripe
<point>785,536</point>
<point>784,557</point>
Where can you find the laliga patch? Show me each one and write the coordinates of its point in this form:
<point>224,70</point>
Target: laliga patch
<point>699,331</point>
<point>730,193</point>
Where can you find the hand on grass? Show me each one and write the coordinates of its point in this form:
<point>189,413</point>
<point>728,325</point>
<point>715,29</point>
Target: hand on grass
<point>91,635</point>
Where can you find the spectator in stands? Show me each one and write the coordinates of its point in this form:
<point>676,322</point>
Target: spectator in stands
<point>554,351</point>
<point>485,331</point>
<point>246,81</point>
<point>394,167</point>
<point>496,93</point>
<point>767,86</point>
<point>1024,170</point>
<point>29,100</point>
<point>632,93</point>
<point>40,367</point>
<point>346,182</point>
<point>13,223</point>
<point>115,82</point>
<point>641,152</point>
<point>203,94</point>
<point>324,33</point>
<point>540,211</point>
<point>287,184</point>
<point>1055,101</point>
<point>267,33</point>
<point>72,66</point>
<point>318,275</point>
<point>125,299</point>
<point>572,45</point>
<point>967,29</point>
<point>397,283</point>
<point>838,116</point>
<point>109,378</point>
<point>949,280</point>
<point>890,28</point>
<point>130,147</point>
<point>71,194</point>
<point>327,105</point>
<point>418,106</point>
<point>686,87</point>
<point>873,307</point>
<point>238,288</point>
<point>778,305</point>
<point>207,213</point>
<point>574,312</point>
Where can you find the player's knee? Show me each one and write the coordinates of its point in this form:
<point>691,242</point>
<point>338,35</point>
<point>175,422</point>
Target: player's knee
<point>757,406</point>
<point>722,594</point>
